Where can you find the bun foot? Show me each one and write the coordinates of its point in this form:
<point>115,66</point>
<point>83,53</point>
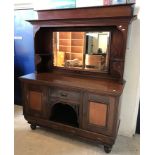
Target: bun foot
<point>107,149</point>
<point>33,127</point>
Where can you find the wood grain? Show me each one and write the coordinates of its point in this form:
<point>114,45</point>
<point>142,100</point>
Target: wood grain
<point>35,100</point>
<point>100,86</point>
<point>97,113</point>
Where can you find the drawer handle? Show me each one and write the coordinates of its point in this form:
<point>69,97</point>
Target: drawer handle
<point>63,94</point>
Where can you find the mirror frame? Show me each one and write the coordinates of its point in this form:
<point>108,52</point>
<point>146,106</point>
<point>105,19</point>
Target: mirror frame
<point>109,29</point>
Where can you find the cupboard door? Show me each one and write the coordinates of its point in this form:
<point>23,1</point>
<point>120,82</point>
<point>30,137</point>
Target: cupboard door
<point>99,113</point>
<point>36,100</point>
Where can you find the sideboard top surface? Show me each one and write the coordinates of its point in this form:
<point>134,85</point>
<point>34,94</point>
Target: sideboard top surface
<point>102,86</point>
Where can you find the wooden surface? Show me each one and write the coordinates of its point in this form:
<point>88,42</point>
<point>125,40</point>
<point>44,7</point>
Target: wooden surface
<point>97,113</point>
<point>114,19</point>
<point>35,100</point>
<point>79,88</point>
<point>92,85</point>
<point>92,12</point>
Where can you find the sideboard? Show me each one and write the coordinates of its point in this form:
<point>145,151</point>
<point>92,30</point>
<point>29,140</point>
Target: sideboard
<point>79,99</point>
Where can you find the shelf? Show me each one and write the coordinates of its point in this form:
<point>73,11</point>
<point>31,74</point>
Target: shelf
<point>72,44</point>
<point>76,53</point>
<point>64,39</point>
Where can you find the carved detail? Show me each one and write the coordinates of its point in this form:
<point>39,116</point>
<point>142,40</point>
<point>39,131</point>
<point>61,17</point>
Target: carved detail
<point>116,68</point>
<point>118,43</point>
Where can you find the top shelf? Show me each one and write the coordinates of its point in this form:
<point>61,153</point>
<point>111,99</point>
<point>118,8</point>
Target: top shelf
<point>113,11</point>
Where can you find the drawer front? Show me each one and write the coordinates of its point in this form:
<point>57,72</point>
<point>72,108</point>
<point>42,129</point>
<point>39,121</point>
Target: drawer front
<point>64,94</point>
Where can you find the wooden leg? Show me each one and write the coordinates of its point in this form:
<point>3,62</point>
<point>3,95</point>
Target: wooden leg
<point>107,149</point>
<point>33,126</point>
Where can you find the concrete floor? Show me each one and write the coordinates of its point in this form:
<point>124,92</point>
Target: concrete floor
<point>43,142</point>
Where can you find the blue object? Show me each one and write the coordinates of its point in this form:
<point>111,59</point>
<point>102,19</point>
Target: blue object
<point>23,48</point>
<point>118,1</point>
<point>54,4</point>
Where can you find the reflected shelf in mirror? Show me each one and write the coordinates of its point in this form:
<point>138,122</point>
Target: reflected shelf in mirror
<point>82,50</point>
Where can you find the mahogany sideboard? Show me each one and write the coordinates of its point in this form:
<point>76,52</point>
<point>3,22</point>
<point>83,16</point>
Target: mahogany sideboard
<point>79,102</point>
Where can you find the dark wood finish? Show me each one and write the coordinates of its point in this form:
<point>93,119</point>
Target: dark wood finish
<point>43,39</point>
<point>99,86</point>
<point>88,135</point>
<point>107,149</point>
<point>112,105</point>
<point>76,92</point>
<point>116,56</point>
<point>92,97</point>
<point>92,12</point>
<point>35,99</point>
<point>65,94</point>
<point>108,18</point>
<point>33,126</point>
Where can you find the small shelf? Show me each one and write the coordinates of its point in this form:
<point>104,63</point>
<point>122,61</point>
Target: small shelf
<point>76,53</point>
<point>71,46</point>
<point>65,39</point>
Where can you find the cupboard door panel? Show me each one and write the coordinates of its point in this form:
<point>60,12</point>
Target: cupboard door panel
<point>97,113</point>
<point>35,100</point>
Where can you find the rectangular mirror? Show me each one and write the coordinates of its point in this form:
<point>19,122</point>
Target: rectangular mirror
<point>82,50</point>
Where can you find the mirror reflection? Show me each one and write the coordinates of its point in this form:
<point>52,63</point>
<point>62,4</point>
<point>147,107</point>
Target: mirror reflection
<point>82,50</point>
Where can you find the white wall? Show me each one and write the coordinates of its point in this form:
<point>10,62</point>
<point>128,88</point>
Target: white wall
<point>130,97</point>
<point>23,4</point>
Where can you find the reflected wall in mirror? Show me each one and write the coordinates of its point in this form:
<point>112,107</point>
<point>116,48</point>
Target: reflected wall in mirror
<point>82,50</point>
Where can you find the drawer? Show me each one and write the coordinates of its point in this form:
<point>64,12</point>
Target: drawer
<point>64,94</point>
